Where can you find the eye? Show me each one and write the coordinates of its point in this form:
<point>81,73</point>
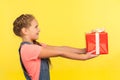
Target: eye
<point>36,26</point>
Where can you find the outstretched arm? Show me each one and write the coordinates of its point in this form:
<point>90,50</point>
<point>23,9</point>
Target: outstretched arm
<point>67,52</point>
<point>74,50</point>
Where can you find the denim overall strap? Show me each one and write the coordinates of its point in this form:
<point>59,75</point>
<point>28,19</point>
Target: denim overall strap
<point>44,70</point>
<point>24,70</point>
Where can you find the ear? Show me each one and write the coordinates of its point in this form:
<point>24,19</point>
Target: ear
<point>24,31</point>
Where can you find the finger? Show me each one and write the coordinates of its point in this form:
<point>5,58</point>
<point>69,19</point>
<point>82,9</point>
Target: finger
<point>92,51</point>
<point>94,55</point>
<point>84,50</point>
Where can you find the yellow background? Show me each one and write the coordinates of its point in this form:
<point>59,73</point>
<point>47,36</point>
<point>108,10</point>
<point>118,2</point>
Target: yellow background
<point>63,22</point>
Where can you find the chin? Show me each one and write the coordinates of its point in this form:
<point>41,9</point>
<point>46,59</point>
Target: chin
<point>35,38</point>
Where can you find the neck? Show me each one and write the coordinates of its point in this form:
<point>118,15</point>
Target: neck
<point>26,39</point>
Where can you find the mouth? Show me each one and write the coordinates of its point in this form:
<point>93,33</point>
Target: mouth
<point>37,33</point>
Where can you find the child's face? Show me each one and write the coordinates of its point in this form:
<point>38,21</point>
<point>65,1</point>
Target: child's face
<point>33,30</point>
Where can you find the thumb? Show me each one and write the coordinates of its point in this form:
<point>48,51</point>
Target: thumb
<point>91,52</point>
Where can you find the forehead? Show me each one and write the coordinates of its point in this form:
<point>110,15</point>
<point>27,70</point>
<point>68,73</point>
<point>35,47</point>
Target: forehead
<point>34,22</point>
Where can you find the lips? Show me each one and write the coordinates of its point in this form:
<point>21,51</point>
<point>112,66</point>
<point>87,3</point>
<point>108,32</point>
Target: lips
<point>37,33</point>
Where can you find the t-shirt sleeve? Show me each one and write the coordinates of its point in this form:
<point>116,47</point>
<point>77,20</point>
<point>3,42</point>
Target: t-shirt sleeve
<point>30,51</point>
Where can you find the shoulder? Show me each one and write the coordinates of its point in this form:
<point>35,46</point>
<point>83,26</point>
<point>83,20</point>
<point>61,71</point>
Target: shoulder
<point>30,46</point>
<point>30,51</point>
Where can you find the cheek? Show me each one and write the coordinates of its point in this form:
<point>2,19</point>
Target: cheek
<point>31,33</point>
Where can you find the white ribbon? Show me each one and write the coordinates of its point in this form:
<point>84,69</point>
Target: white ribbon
<point>97,40</point>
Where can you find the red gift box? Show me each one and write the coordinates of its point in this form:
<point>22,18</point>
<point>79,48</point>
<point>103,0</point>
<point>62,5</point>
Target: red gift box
<point>97,40</point>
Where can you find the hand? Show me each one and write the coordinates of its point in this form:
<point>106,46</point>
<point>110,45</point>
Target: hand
<point>90,55</point>
<point>83,51</point>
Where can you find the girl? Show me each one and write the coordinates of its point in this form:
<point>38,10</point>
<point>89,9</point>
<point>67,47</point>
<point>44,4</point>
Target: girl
<point>34,56</point>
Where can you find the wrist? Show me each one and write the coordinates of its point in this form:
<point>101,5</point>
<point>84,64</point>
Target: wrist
<point>82,51</point>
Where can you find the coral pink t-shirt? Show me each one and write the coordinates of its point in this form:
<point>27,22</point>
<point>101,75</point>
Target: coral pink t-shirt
<point>29,56</point>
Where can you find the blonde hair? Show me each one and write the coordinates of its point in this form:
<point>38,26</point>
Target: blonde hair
<point>23,20</point>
